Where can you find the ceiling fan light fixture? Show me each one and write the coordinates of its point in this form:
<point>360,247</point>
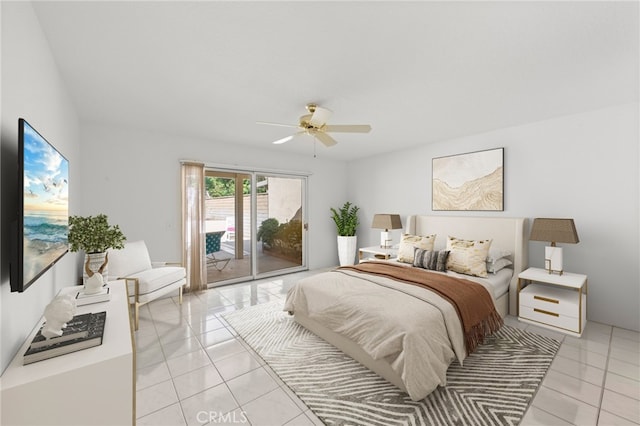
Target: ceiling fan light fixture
<point>319,116</point>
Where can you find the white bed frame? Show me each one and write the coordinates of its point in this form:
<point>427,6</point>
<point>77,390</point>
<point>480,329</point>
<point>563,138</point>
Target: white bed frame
<point>507,234</point>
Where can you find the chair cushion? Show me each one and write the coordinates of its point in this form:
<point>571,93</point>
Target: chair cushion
<point>133,258</point>
<point>212,241</point>
<point>156,279</point>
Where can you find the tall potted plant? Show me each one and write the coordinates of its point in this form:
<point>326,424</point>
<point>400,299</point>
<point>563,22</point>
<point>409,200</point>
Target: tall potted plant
<point>346,220</point>
<point>94,236</point>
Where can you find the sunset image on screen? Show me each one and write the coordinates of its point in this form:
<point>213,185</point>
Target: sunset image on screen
<point>46,204</point>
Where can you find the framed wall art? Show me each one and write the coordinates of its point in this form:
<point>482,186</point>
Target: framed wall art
<point>473,181</point>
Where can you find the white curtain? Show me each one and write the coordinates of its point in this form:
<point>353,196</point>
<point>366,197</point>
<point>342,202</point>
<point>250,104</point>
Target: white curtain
<point>193,244</point>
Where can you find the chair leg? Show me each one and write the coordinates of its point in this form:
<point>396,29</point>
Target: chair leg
<point>137,315</point>
<point>180,294</point>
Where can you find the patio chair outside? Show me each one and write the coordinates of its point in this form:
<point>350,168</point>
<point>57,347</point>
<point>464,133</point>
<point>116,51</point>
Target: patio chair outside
<point>215,256</point>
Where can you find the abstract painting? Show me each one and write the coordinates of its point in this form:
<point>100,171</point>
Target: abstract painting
<point>471,181</point>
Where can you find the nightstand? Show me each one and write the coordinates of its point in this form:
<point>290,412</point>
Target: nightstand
<point>377,252</point>
<point>557,302</point>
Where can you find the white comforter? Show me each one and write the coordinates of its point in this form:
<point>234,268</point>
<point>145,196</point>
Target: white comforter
<point>416,331</point>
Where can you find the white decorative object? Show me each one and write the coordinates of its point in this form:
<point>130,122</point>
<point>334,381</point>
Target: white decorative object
<point>57,314</point>
<point>97,263</point>
<point>347,250</point>
<point>94,284</point>
<point>94,281</point>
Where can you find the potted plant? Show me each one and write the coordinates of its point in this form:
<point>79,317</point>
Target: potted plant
<point>346,220</point>
<point>267,232</point>
<point>94,236</point>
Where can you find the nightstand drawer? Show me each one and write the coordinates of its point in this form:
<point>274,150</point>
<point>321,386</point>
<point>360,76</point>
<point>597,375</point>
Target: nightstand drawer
<point>550,299</point>
<point>550,318</point>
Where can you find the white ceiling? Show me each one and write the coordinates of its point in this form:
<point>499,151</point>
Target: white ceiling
<point>418,72</point>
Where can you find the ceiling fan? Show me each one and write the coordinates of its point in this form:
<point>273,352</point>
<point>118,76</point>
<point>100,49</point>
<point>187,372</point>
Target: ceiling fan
<point>315,124</point>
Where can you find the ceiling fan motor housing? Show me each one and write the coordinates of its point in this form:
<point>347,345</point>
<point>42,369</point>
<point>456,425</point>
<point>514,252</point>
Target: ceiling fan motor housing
<point>305,122</point>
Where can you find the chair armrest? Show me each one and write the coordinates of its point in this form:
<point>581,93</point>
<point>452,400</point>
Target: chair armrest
<point>136,286</point>
<point>161,264</point>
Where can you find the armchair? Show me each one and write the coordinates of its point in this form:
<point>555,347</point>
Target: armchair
<point>144,282</point>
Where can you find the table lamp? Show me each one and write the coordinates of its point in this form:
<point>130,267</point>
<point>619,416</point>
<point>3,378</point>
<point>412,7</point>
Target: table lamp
<point>555,231</point>
<point>386,222</point>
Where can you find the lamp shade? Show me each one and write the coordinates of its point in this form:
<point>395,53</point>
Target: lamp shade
<point>386,221</point>
<point>554,230</point>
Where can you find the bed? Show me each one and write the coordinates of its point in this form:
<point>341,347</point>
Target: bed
<point>404,333</point>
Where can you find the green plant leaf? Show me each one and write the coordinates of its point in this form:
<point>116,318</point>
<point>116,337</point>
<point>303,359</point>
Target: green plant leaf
<point>346,219</point>
<point>92,234</point>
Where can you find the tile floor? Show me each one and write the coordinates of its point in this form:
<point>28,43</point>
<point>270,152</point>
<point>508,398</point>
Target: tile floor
<point>193,369</point>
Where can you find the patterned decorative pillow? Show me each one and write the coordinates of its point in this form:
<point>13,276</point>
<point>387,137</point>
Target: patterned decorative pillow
<point>468,256</point>
<point>430,259</point>
<point>409,243</point>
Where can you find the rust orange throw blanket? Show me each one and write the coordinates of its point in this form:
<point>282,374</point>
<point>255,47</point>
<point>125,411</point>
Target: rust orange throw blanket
<point>472,301</point>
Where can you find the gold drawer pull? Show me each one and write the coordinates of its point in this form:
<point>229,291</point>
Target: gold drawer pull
<point>546,312</point>
<point>546,299</point>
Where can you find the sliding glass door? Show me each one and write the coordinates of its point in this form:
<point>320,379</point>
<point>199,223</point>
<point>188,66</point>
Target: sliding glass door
<point>280,220</point>
<point>227,225</point>
<point>254,224</point>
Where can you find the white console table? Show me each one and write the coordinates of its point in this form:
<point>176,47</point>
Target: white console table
<point>93,386</point>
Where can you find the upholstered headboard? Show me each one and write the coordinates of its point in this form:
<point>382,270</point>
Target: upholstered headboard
<point>507,233</point>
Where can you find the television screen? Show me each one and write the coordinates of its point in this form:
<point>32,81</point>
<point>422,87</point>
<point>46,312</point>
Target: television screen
<point>44,206</point>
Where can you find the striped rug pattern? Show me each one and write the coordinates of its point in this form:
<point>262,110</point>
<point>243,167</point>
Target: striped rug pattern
<point>495,386</point>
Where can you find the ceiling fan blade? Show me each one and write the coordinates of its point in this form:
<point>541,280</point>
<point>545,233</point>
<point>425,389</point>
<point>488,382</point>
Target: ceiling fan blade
<point>287,139</point>
<point>348,128</point>
<point>276,124</point>
<point>324,138</point>
<point>320,116</point>
<point>283,140</point>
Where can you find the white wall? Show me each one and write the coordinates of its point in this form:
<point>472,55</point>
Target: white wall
<point>31,89</point>
<point>133,176</point>
<point>582,166</point>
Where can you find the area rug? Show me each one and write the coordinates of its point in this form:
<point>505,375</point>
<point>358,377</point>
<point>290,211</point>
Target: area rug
<point>494,387</point>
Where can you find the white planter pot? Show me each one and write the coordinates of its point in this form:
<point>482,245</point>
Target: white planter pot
<point>347,250</point>
<point>95,262</point>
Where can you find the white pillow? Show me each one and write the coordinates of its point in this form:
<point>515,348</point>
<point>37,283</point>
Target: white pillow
<point>497,259</point>
<point>468,256</point>
<point>498,264</point>
<point>496,254</point>
<point>409,243</point>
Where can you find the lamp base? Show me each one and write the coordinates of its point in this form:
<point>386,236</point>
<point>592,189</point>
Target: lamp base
<point>385,241</point>
<point>553,259</point>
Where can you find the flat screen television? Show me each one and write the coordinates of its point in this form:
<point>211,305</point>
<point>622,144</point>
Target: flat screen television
<point>43,207</point>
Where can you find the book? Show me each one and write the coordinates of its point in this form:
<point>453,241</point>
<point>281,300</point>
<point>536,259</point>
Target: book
<point>76,328</point>
<point>85,299</point>
<point>95,333</point>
